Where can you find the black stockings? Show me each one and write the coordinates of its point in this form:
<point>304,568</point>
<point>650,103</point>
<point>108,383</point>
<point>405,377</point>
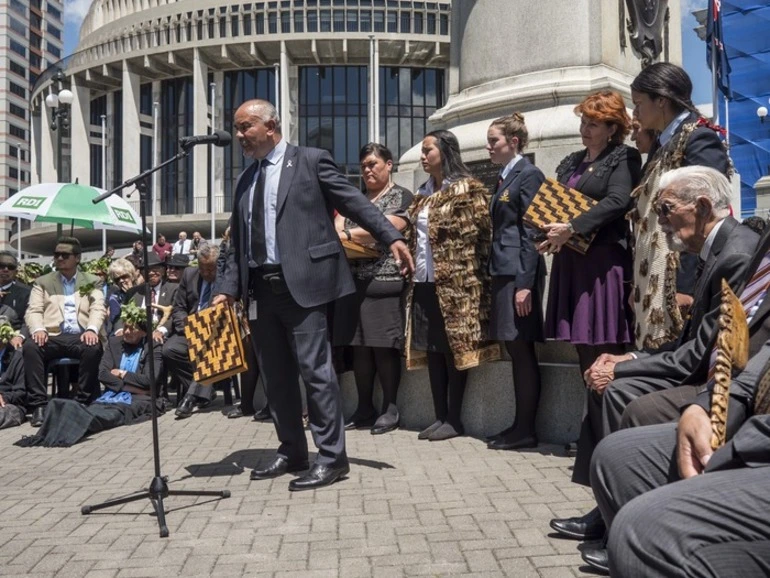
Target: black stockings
<point>384,362</point>
<point>526,384</point>
<point>447,385</point>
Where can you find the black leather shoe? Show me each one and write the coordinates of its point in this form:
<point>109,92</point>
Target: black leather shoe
<point>37,417</point>
<point>385,423</point>
<point>186,407</point>
<point>202,402</point>
<point>510,443</point>
<point>588,527</point>
<point>278,467</point>
<point>446,432</point>
<point>356,422</point>
<point>596,557</point>
<point>263,414</point>
<point>318,477</point>
<point>235,412</point>
<point>500,434</point>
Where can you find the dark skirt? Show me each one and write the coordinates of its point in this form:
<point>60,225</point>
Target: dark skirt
<point>428,329</point>
<point>372,316</point>
<point>587,296</point>
<point>504,323</point>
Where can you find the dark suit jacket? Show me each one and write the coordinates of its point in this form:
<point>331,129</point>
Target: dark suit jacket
<point>687,359</point>
<point>314,265</point>
<point>17,298</point>
<point>186,298</point>
<point>610,180</point>
<point>166,297</point>
<point>704,147</point>
<point>141,378</point>
<point>513,252</point>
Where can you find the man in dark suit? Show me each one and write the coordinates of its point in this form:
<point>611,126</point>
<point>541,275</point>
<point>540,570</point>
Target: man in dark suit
<point>693,211</point>
<point>665,518</point>
<point>286,255</point>
<point>194,293</point>
<point>162,293</point>
<point>13,293</point>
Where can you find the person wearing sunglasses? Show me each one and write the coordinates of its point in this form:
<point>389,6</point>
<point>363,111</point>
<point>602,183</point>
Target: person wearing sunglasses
<point>693,211</point>
<point>65,318</point>
<point>13,293</point>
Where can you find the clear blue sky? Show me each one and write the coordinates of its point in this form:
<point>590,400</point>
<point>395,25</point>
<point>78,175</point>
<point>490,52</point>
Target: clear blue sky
<point>694,50</point>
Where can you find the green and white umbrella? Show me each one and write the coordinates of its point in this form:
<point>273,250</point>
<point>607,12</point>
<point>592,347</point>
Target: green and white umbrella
<point>70,204</point>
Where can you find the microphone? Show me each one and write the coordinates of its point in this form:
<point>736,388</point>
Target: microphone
<point>220,138</point>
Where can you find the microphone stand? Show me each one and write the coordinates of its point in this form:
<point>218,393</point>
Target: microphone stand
<point>158,489</point>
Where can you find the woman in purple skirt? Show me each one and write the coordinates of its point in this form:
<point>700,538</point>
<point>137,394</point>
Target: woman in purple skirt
<point>588,294</point>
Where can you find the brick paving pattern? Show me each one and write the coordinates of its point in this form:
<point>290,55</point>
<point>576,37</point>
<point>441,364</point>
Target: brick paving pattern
<point>408,508</point>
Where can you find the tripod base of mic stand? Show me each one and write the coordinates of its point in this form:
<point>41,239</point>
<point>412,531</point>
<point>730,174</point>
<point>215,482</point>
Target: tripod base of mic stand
<point>157,491</point>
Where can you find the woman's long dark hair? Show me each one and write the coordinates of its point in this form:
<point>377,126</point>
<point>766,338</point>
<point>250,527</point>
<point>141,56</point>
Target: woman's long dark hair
<point>669,81</point>
<point>452,165</point>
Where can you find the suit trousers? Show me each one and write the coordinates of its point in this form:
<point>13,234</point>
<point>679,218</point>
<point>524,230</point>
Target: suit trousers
<point>714,524</point>
<point>177,360</point>
<point>291,342</point>
<point>57,347</point>
<point>604,413</point>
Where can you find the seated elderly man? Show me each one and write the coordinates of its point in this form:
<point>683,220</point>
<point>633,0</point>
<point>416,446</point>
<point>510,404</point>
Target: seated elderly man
<point>674,506</point>
<point>65,318</point>
<point>162,294</point>
<point>13,394</point>
<point>125,373</point>
<point>193,294</point>
<point>13,292</point>
<point>693,209</point>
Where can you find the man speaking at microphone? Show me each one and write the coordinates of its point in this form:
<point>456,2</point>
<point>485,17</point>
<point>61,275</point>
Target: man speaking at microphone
<point>287,258</point>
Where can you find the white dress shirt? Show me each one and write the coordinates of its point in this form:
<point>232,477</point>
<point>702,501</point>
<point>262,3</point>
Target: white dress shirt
<point>272,169</point>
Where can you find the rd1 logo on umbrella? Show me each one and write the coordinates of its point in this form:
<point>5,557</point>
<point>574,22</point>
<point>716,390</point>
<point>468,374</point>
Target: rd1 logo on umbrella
<point>124,216</point>
<point>29,202</point>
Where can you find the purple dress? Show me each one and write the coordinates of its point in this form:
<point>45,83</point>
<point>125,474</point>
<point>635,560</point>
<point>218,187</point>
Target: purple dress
<point>587,296</point>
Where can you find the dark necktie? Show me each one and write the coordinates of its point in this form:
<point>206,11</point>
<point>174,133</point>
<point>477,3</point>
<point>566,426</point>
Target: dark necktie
<point>205,295</point>
<point>258,248</point>
<point>699,268</point>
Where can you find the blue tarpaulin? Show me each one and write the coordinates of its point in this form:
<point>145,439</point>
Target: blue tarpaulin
<point>746,27</point>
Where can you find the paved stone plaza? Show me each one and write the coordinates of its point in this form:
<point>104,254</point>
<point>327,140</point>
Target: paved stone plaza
<point>409,507</point>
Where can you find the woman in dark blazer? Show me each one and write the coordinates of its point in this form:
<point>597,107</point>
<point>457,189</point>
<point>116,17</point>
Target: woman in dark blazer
<point>518,275</point>
<point>588,294</point>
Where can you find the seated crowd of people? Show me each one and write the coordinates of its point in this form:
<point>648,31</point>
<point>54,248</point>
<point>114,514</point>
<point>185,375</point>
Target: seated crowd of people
<point>79,318</point>
<point>635,285</point>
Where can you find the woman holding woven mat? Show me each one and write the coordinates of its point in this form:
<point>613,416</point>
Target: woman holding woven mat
<point>661,95</point>
<point>449,299</point>
<point>518,275</point>
<point>588,294</point>
<point>371,319</point>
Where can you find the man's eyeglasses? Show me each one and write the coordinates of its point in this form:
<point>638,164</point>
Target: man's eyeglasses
<point>664,209</point>
<point>7,266</point>
<point>62,255</point>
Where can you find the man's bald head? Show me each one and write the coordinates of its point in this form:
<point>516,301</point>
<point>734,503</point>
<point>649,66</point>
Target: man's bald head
<point>257,127</point>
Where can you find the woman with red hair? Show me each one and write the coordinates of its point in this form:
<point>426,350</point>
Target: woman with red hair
<point>588,296</point>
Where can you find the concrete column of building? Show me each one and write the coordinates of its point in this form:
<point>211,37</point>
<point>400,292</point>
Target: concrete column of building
<point>200,154</point>
<point>376,91</point>
<point>156,94</point>
<point>284,96</point>
<point>131,128</point>
<point>48,145</point>
<point>219,152</point>
<point>80,119</point>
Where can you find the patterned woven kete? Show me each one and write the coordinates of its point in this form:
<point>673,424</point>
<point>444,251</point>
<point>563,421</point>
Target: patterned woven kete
<point>214,344</point>
<point>557,203</point>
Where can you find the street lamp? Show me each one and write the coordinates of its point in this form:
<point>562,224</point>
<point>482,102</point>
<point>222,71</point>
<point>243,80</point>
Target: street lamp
<point>60,120</point>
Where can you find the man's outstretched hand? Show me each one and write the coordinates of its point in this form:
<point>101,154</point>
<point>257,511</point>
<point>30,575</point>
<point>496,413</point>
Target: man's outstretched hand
<point>403,257</point>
